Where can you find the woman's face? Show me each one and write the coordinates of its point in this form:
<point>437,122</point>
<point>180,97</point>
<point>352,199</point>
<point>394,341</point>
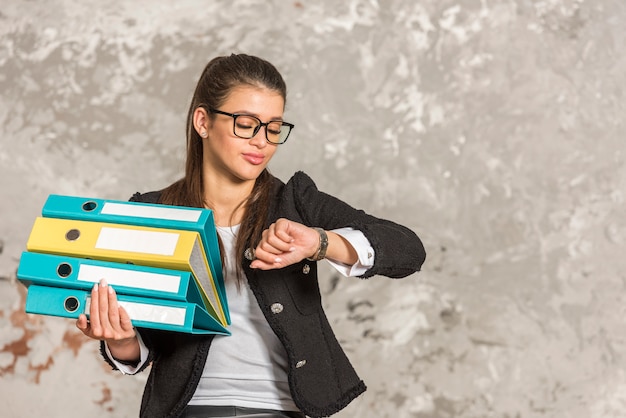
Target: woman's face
<point>236,159</point>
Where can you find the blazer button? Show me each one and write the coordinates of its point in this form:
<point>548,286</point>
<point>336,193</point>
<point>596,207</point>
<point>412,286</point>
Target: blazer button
<point>249,254</point>
<point>306,269</point>
<point>300,364</point>
<point>276,308</point>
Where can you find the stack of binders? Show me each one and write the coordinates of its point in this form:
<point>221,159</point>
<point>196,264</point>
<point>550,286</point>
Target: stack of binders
<point>163,262</point>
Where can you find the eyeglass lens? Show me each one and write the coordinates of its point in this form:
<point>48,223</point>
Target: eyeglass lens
<point>248,126</point>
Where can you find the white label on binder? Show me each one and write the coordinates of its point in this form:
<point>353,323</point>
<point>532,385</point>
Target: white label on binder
<point>151,313</point>
<point>129,278</point>
<point>137,241</point>
<point>154,212</point>
<point>154,313</point>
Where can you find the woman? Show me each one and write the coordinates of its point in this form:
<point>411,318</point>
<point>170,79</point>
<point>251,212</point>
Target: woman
<point>282,358</point>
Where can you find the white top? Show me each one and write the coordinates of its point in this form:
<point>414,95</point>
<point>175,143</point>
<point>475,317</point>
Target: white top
<point>249,367</point>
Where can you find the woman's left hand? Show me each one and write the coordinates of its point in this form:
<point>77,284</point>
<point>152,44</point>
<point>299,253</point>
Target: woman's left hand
<point>284,243</point>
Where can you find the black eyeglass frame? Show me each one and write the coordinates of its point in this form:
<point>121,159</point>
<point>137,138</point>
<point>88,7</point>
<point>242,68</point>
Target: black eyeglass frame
<point>256,130</point>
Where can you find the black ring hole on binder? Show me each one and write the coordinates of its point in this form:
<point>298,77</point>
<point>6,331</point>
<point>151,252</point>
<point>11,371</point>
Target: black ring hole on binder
<point>89,206</point>
<point>71,304</point>
<point>72,235</point>
<point>64,270</point>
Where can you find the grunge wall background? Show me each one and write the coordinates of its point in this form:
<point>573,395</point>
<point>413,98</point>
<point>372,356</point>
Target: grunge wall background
<point>493,128</point>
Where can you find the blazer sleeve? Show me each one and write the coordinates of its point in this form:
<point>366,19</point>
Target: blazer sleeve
<point>399,251</point>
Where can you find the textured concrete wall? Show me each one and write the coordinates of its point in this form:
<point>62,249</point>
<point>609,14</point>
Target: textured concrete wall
<point>493,128</point>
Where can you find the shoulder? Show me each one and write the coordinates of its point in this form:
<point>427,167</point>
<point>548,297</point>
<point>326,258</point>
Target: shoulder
<point>149,197</point>
<point>299,184</point>
<point>300,189</point>
<point>294,198</point>
<point>300,200</point>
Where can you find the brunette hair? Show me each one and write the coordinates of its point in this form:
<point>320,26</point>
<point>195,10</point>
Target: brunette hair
<point>219,78</point>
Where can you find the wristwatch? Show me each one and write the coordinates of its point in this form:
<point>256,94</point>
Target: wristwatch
<point>321,250</point>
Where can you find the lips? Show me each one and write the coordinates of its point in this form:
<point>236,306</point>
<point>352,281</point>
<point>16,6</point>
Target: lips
<point>254,158</point>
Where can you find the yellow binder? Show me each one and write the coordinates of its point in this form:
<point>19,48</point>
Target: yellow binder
<point>156,247</point>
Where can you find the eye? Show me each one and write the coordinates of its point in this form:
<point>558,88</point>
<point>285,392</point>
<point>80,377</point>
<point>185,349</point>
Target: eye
<point>244,125</point>
<point>246,122</point>
<point>274,128</point>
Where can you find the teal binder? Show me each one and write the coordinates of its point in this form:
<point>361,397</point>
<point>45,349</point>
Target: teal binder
<point>129,279</point>
<point>168,315</point>
<point>146,214</point>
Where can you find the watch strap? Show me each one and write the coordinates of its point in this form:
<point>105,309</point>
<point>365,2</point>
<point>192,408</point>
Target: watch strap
<point>320,254</point>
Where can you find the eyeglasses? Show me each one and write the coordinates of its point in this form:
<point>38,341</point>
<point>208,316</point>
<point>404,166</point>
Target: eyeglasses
<point>247,126</point>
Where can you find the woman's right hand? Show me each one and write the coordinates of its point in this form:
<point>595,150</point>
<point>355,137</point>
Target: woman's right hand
<point>109,322</point>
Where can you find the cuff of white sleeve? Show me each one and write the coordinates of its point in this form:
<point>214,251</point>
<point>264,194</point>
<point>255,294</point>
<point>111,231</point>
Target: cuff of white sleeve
<point>364,251</point>
<point>125,368</point>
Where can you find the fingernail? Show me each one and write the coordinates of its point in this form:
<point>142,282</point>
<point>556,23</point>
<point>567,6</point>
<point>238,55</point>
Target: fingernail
<point>103,283</point>
<point>278,260</point>
<point>95,287</point>
<point>292,249</point>
<point>110,290</point>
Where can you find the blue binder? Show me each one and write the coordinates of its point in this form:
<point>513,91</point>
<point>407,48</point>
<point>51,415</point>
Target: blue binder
<point>168,315</point>
<point>129,279</point>
<point>145,214</point>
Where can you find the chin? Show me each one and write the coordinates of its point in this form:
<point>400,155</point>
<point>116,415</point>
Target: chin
<point>249,175</point>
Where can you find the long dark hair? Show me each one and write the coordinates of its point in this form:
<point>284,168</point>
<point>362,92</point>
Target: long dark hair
<point>219,78</point>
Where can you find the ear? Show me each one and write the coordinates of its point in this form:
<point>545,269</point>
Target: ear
<point>201,122</point>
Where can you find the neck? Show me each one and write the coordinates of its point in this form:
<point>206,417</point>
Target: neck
<point>224,198</point>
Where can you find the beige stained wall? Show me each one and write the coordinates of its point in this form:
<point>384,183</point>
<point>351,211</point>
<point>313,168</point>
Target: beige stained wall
<point>493,128</point>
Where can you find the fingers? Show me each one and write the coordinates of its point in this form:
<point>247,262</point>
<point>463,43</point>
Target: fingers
<point>113,311</point>
<point>282,229</point>
<point>269,254</point>
<point>284,243</point>
<point>94,312</point>
<point>107,320</point>
<point>82,324</point>
<point>276,239</point>
<point>103,311</point>
<point>125,322</point>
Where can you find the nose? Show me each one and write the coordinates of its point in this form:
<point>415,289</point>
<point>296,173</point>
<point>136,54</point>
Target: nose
<point>259,139</point>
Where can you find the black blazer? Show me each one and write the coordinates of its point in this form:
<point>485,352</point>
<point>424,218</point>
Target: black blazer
<point>321,379</point>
